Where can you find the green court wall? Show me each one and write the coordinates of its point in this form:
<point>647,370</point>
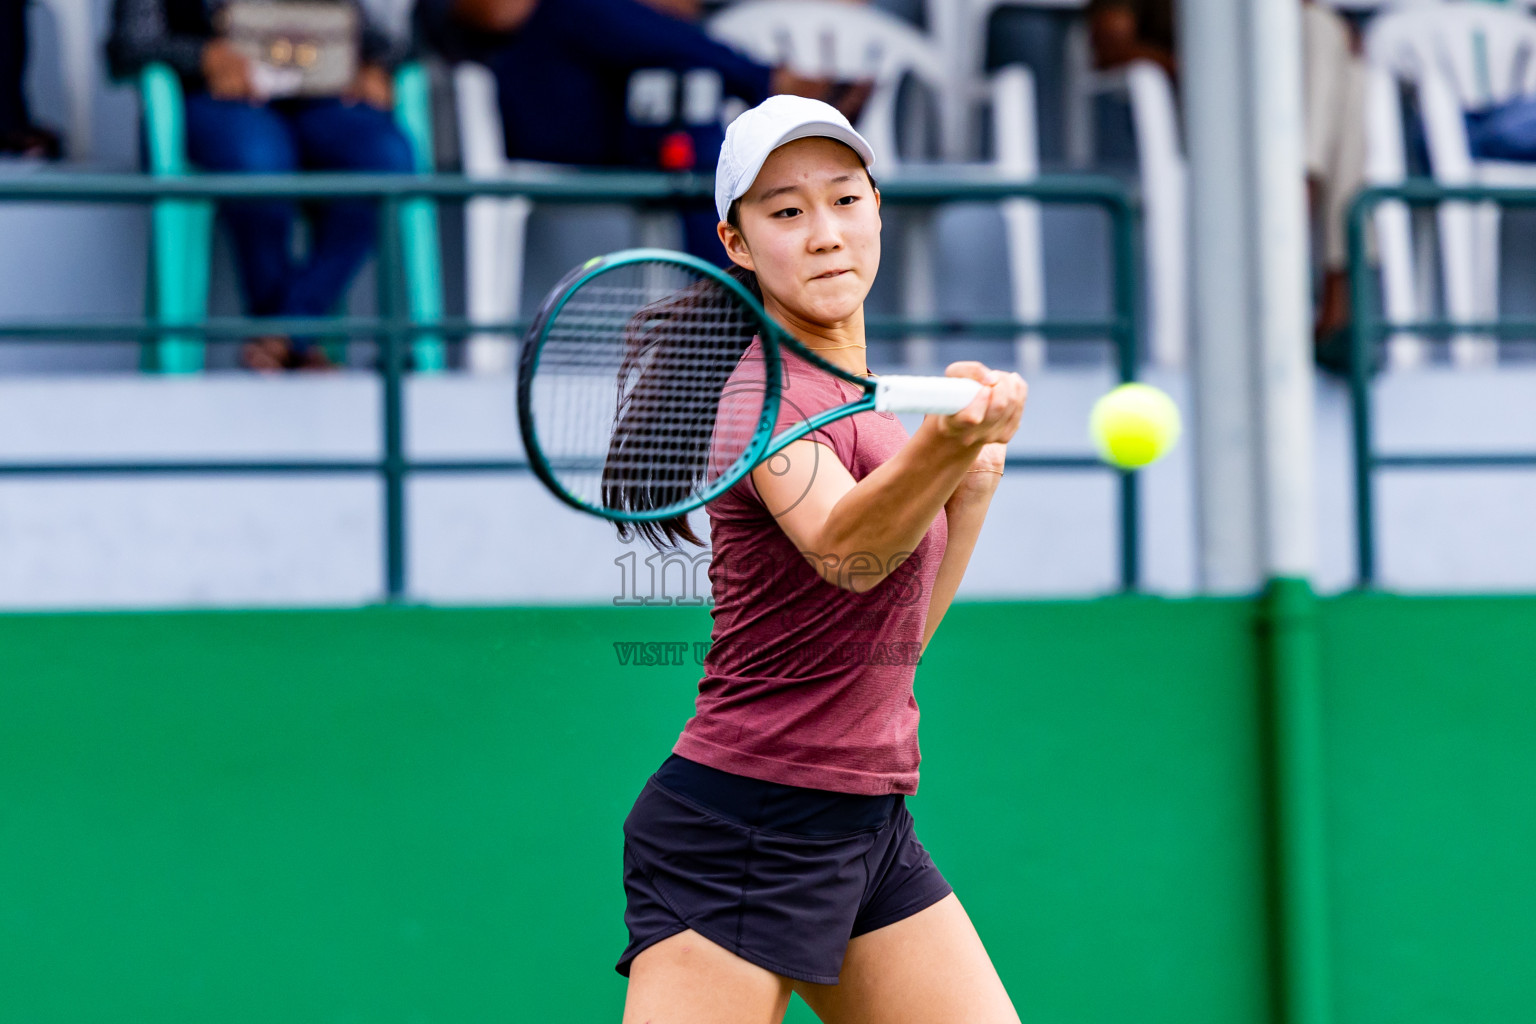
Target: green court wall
<point>413,814</point>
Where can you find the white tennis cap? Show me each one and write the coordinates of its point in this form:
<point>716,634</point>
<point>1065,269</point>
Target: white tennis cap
<point>766,127</point>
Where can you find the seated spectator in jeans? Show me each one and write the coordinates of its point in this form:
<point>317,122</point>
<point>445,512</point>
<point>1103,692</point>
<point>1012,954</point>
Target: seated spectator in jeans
<point>231,126</point>
<point>18,135</point>
<point>562,70</point>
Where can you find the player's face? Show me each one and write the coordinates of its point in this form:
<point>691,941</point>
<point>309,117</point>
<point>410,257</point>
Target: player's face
<point>810,229</point>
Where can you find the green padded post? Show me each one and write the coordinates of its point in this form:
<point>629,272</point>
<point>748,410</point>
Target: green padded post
<point>418,220</point>
<point>1299,857</point>
<point>181,230</point>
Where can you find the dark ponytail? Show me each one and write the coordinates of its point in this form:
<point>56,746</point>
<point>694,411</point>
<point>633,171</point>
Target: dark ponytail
<point>656,420</point>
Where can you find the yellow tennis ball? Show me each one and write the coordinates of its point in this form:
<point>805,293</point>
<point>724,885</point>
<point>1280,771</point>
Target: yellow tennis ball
<point>1133,425</point>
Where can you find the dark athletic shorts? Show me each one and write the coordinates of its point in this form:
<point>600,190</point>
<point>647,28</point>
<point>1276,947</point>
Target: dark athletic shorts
<point>782,876</point>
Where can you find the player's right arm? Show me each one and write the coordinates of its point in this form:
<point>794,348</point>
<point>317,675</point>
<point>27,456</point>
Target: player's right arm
<point>830,517</point>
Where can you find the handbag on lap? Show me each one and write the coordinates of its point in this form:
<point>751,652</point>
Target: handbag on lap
<point>296,47</point>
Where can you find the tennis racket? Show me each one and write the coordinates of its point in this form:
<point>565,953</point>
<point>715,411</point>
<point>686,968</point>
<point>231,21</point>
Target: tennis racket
<point>635,397</point>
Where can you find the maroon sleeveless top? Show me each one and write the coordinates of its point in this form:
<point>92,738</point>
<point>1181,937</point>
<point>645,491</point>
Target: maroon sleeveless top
<point>806,683</point>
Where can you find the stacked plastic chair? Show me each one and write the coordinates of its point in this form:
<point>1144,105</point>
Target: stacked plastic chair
<point>1455,57</point>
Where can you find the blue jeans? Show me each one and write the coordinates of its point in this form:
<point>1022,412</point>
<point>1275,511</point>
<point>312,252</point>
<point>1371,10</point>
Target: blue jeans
<point>1505,132</point>
<point>279,138</point>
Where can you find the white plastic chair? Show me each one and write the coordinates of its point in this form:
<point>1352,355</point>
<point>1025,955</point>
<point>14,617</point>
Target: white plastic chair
<point>80,40</point>
<point>494,228</point>
<point>850,42</point>
<point>959,28</point>
<point>1457,56</point>
<point>1163,173</point>
<point>1017,140</point>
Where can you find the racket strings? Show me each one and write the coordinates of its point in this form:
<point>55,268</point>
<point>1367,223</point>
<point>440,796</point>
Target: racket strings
<point>633,398</point>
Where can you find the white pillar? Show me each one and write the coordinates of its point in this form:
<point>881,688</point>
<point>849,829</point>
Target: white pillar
<point>1282,294</point>
<point>1241,86</point>
<point>1220,249</point>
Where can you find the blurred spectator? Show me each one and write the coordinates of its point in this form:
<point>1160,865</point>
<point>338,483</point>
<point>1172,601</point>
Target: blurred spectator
<point>1334,93</point>
<point>234,125</point>
<point>1120,31</point>
<point>562,69</point>
<point>1333,89</point>
<point>18,135</point>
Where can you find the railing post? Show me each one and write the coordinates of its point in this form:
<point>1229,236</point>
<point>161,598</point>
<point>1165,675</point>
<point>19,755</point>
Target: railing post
<point>1362,339</point>
<point>1122,224</point>
<point>391,362</point>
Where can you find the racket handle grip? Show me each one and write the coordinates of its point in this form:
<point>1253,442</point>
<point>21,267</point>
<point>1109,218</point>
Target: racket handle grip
<point>939,396</point>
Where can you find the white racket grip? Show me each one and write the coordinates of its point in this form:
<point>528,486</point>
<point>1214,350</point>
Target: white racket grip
<point>940,396</point>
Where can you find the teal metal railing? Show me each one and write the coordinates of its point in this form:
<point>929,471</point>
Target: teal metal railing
<point>1370,329</point>
<point>394,328</point>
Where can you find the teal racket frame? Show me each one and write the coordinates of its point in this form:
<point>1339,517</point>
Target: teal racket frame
<point>757,449</point>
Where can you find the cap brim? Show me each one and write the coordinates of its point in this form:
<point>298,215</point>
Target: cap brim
<point>809,130</point>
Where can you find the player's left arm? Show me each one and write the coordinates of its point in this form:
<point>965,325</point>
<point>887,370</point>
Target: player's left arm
<point>967,510</point>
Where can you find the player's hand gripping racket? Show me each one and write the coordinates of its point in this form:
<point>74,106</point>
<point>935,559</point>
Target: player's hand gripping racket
<point>635,402</point>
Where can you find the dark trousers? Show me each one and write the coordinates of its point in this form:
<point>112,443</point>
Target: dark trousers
<point>1506,132</point>
<point>13,65</point>
<point>282,137</point>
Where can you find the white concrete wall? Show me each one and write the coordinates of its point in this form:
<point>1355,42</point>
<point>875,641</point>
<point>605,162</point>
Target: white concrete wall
<point>171,542</point>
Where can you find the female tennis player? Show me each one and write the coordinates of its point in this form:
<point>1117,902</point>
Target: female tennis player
<point>772,852</point>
